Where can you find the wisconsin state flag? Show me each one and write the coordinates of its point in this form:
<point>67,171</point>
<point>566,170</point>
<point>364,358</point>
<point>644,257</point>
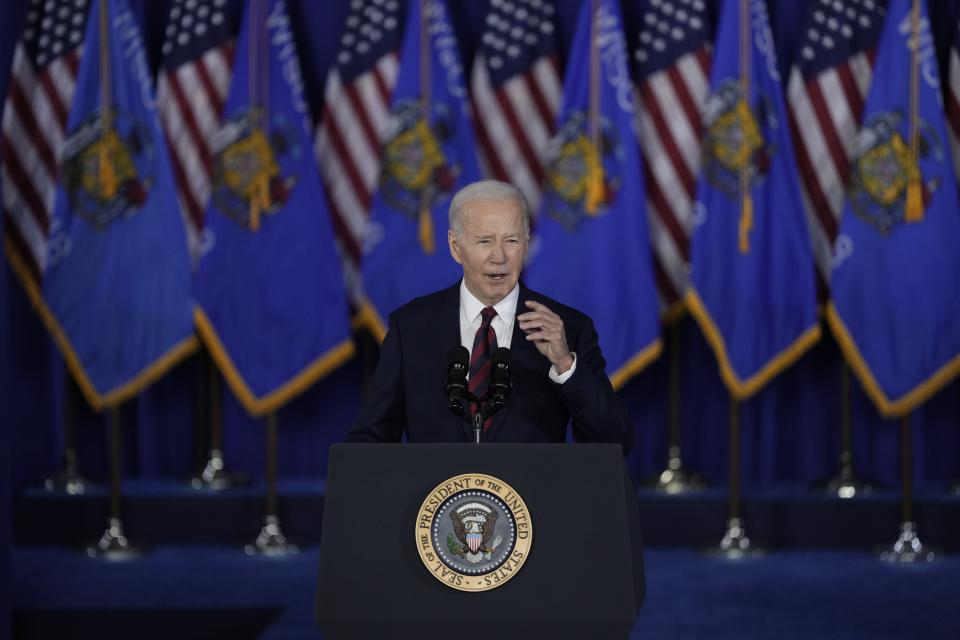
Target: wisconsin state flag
<point>116,289</point>
<point>896,276</point>
<point>272,304</point>
<point>592,250</point>
<point>753,288</point>
<point>428,154</point>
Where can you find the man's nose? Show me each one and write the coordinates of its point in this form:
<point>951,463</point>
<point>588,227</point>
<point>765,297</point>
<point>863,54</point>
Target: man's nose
<point>499,253</point>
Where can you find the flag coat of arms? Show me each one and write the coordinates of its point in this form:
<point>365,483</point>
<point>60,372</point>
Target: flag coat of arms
<point>272,304</point>
<point>752,282</point>
<point>116,289</point>
<point>592,249</point>
<point>428,154</point>
<point>896,276</point>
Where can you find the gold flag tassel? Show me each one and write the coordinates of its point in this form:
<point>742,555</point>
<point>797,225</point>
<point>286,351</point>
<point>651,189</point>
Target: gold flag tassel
<point>746,202</point>
<point>914,202</point>
<point>425,224</point>
<point>746,222</point>
<point>594,192</point>
<point>425,230</point>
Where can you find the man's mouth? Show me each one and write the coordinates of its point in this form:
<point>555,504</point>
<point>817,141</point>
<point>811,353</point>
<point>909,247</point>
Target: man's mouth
<point>497,277</point>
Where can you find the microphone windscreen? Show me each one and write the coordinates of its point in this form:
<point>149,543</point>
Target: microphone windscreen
<point>458,355</point>
<point>502,356</point>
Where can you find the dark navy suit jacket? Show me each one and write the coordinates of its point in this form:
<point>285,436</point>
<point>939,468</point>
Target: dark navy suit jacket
<point>407,392</point>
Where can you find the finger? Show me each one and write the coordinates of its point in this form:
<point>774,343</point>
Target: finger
<point>544,336</point>
<point>533,316</point>
<point>536,306</point>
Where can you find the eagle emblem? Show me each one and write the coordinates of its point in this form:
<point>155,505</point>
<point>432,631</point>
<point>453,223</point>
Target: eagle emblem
<point>105,159</point>
<point>249,181</point>
<point>473,527</point>
<point>884,168</point>
<point>582,174</point>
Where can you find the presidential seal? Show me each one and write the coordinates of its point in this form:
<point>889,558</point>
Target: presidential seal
<point>473,532</point>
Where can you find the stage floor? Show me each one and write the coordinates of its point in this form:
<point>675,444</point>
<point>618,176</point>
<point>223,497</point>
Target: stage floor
<point>214,592</point>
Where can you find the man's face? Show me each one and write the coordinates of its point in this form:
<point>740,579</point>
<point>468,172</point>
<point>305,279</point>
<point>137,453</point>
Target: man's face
<point>491,249</point>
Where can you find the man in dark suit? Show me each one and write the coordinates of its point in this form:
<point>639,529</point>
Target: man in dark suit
<point>558,371</point>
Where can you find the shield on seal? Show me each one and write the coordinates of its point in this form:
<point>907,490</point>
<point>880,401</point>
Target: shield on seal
<point>473,541</point>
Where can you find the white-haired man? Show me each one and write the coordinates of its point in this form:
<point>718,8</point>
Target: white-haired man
<point>558,371</point>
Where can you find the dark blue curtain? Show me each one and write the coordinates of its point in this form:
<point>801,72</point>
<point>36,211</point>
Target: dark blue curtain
<point>790,431</point>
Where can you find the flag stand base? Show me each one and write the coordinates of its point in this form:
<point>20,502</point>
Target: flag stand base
<point>735,544</point>
<point>214,477</point>
<point>271,541</point>
<point>69,479</point>
<point>846,484</point>
<point>113,544</point>
<point>674,480</point>
<point>907,549</point>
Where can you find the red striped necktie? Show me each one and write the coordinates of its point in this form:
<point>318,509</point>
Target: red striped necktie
<point>484,344</point>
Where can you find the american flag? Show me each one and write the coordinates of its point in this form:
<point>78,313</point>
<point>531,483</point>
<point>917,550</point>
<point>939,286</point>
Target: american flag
<point>826,93</point>
<point>672,75</point>
<point>42,81</point>
<point>191,89</point>
<point>356,108</point>
<point>515,92</point>
<point>953,99</point>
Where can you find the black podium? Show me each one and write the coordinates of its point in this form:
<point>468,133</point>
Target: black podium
<point>583,576</point>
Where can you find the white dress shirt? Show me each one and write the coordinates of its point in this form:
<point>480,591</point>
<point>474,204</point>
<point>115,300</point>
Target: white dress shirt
<point>502,323</point>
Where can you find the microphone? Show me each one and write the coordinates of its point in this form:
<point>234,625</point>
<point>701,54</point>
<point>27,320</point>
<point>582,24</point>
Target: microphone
<point>458,359</point>
<point>500,383</point>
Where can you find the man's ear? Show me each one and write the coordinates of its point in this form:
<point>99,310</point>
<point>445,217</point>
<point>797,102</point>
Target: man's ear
<point>454,246</point>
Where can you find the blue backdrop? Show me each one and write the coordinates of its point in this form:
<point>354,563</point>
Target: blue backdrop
<point>790,429</point>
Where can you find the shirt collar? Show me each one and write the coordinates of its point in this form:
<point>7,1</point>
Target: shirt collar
<point>506,308</point>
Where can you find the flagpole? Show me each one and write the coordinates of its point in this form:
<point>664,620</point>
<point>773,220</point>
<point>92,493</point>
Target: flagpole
<point>846,484</point>
<point>594,195</point>
<point>271,541</point>
<point>425,232</point>
<point>735,544</point>
<point>214,475</point>
<point>259,92</point>
<point>69,479</point>
<point>907,549</point>
<point>913,208</point>
<point>113,544</point>
<point>746,200</point>
<point>674,479</point>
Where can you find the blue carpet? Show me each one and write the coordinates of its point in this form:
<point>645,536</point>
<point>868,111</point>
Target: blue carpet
<point>215,590</point>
